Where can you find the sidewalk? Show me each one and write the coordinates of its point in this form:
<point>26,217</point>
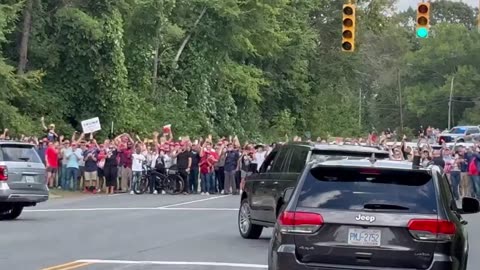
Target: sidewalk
<point>58,194</point>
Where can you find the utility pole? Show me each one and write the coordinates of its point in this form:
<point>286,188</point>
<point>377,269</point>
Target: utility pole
<point>450,102</point>
<point>400,99</point>
<point>360,108</point>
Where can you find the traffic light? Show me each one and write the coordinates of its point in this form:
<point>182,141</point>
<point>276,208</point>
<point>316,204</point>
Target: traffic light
<point>423,20</point>
<point>348,28</point>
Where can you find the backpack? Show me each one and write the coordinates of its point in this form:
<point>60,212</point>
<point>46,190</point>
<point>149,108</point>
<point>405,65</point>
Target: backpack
<point>472,167</point>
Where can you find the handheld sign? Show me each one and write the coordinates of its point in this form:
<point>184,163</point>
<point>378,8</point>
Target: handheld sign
<point>167,129</point>
<point>91,125</point>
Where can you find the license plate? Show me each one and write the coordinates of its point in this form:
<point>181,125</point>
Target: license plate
<point>29,179</point>
<point>364,237</point>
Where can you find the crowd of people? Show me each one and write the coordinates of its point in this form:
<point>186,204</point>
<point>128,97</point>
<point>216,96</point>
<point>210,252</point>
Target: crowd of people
<point>460,161</point>
<point>219,167</point>
<point>81,163</point>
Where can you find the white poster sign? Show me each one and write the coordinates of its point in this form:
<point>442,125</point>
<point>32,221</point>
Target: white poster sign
<point>91,125</point>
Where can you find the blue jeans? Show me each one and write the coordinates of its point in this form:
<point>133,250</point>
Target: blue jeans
<point>194,180</point>
<point>476,185</point>
<point>455,178</point>
<point>63,177</point>
<point>72,174</point>
<point>136,176</point>
<point>208,183</point>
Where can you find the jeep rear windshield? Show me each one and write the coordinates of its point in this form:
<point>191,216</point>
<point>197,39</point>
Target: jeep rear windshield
<point>19,153</point>
<point>354,189</point>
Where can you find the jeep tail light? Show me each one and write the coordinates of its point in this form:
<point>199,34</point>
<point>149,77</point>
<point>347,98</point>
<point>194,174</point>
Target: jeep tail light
<point>3,173</point>
<point>432,229</point>
<point>300,222</point>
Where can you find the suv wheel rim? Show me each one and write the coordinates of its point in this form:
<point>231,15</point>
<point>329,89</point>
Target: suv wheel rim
<point>244,218</point>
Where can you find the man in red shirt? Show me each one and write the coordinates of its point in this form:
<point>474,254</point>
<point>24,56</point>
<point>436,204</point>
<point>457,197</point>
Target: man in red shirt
<point>208,158</point>
<point>51,158</point>
<point>126,161</point>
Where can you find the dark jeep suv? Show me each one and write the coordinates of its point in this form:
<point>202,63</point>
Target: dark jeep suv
<point>263,196</point>
<point>367,214</point>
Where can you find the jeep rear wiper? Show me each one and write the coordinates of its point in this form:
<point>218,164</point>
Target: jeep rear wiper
<point>384,206</point>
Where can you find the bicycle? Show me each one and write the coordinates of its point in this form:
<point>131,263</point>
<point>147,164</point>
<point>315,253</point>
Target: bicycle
<point>141,185</point>
<point>172,183</point>
<point>175,181</point>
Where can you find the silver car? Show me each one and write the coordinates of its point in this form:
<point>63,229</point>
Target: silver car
<point>459,134</point>
<point>22,178</point>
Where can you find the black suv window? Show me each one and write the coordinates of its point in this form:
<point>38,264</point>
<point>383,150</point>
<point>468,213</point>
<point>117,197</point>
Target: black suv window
<point>446,190</point>
<point>298,159</point>
<point>19,153</point>
<point>278,162</point>
<point>353,188</point>
<point>266,166</point>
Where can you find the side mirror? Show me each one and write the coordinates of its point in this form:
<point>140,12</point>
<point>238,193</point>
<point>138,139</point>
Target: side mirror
<point>470,205</point>
<point>287,195</point>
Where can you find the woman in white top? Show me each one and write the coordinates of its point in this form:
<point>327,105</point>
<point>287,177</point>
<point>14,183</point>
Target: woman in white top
<point>137,167</point>
<point>260,155</point>
<point>152,156</point>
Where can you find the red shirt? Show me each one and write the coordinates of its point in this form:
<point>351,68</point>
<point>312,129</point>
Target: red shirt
<point>51,156</point>
<point>207,161</point>
<point>101,155</point>
<point>126,159</point>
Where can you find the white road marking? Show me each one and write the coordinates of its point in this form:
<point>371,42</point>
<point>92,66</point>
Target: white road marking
<point>165,207</point>
<point>199,209</point>
<point>129,208</point>
<point>195,201</point>
<point>90,209</point>
<point>242,265</point>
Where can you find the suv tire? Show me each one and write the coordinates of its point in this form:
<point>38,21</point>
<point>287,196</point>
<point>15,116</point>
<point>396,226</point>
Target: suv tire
<point>245,227</point>
<point>12,214</point>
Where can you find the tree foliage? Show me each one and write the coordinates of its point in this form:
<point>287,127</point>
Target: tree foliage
<point>256,69</point>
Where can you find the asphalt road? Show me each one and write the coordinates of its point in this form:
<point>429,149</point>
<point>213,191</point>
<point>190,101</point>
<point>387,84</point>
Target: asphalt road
<point>164,232</point>
<point>141,232</point>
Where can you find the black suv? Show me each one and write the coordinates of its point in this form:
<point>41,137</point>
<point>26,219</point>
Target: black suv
<point>367,214</point>
<point>264,193</point>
